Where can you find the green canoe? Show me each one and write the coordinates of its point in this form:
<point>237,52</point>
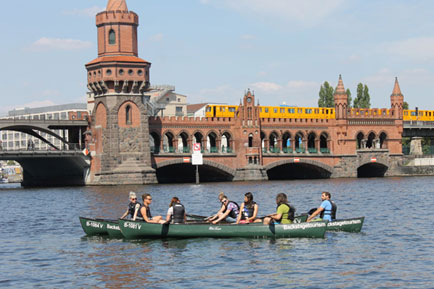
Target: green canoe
<point>298,219</point>
<point>143,230</point>
<point>353,225</point>
<point>94,227</point>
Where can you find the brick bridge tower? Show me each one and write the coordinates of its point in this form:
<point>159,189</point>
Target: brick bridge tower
<point>249,140</point>
<point>118,78</point>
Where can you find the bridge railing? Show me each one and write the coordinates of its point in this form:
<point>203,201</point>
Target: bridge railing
<point>62,147</point>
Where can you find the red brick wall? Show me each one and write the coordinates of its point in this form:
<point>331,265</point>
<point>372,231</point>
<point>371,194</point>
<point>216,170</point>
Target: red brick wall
<point>135,115</point>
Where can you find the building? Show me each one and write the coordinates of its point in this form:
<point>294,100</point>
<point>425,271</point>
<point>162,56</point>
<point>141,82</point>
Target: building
<point>196,110</point>
<point>12,140</point>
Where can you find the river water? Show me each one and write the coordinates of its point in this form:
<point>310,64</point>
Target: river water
<point>43,245</point>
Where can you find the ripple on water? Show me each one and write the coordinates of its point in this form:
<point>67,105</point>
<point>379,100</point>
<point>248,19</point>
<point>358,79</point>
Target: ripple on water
<point>44,246</point>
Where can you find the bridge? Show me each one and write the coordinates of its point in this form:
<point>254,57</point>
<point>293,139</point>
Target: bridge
<point>34,127</point>
<point>61,166</point>
<point>418,129</point>
<point>51,168</point>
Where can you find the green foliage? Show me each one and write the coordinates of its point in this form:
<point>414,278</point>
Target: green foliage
<point>405,105</point>
<point>350,99</point>
<point>363,99</point>
<point>326,98</point>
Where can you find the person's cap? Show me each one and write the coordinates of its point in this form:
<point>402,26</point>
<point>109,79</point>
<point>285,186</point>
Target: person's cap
<point>133,195</point>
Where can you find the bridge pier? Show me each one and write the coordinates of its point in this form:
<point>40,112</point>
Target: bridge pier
<point>251,173</point>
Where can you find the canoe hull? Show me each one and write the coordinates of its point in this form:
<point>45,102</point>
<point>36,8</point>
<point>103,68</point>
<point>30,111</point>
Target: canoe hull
<point>353,225</point>
<point>142,230</point>
<point>101,227</point>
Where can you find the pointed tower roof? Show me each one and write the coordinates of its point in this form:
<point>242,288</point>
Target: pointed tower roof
<point>340,89</point>
<point>117,5</point>
<point>396,88</point>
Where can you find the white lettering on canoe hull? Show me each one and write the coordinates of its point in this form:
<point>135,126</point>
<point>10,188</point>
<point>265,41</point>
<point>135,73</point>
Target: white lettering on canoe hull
<point>131,225</point>
<point>344,223</point>
<point>303,226</point>
<point>113,227</point>
<point>94,224</point>
<point>215,228</point>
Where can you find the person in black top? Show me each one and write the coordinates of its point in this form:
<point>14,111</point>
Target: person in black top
<point>248,210</point>
<point>176,213</point>
<point>133,207</point>
<point>145,210</point>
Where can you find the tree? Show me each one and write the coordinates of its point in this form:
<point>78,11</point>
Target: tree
<point>363,99</point>
<point>350,99</point>
<point>326,98</point>
<point>405,105</point>
<point>366,97</point>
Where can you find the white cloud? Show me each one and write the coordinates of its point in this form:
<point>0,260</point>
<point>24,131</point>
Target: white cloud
<point>248,37</point>
<point>306,12</point>
<point>301,84</point>
<point>88,12</point>
<point>220,94</point>
<point>44,44</point>
<point>415,76</point>
<point>266,86</point>
<point>5,109</point>
<point>420,49</point>
<point>157,37</point>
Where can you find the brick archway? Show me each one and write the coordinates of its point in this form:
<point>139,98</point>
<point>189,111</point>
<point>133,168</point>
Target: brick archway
<point>328,168</point>
<point>216,165</point>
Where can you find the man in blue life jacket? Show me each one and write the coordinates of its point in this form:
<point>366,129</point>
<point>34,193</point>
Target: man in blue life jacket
<point>327,209</point>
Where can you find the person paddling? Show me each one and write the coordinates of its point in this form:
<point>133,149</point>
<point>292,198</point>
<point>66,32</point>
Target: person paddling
<point>327,209</point>
<point>133,207</point>
<point>248,210</point>
<point>222,209</point>
<point>284,214</point>
<point>176,213</point>
<point>146,211</point>
<point>231,209</point>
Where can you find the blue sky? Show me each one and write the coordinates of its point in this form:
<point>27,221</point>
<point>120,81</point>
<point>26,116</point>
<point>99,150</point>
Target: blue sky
<point>213,50</point>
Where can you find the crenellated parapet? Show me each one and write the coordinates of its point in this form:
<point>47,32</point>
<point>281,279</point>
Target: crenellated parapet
<point>125,17</point>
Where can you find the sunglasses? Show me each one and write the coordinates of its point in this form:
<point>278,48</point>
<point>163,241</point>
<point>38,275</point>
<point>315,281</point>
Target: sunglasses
<point>133,199</point>
<point>149,199</point>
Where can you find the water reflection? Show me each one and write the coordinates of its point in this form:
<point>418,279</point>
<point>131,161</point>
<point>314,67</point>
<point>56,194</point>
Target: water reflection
<point>43,243</point>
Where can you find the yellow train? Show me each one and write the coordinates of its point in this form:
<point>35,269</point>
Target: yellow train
<point>274,112</point>
<point>418,115</point>
<point>312,112</point>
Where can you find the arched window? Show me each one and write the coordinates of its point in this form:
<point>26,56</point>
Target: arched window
<point>128,114</point>
<point>250,140</point>
<point>112,37</point>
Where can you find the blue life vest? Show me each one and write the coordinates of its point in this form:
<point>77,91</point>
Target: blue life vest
<point>332,212</point>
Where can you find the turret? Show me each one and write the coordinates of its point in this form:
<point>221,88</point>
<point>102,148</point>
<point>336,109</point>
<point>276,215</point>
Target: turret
<point>341,100</point>
<point>397,101</point>
<point>118,69</point>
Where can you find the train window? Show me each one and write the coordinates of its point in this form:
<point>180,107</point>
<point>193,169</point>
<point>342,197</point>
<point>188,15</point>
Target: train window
<point>405,112</point>
<point>291,110</point>
<point>208,109</point>
<point>316,111</point>
<point>300,110</point>
<point>308,111</point>
<point>282,110</point>
<point>260,109</point>
<point>232,109</point>
<point>223,108</point>
<point>275,110</point>
<point>266,109</point>
<point>420,113</point>
<point>413,113</point>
